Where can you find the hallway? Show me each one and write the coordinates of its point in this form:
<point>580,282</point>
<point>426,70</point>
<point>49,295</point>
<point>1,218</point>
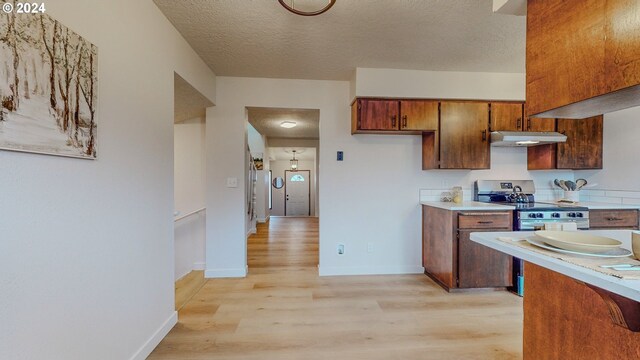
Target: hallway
<point>284,310</point>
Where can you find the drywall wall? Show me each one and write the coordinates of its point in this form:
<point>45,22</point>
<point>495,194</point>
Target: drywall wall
<point>278,168</point>
<point>86,255</point>
<point>618,181</point>
<point>257,145</point>
<point>189,195</point>
<point>370,197</point>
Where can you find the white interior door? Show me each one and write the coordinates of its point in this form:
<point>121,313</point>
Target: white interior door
<point>297,193</point>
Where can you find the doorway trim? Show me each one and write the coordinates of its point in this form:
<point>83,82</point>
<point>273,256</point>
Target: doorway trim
<point>285,189</point>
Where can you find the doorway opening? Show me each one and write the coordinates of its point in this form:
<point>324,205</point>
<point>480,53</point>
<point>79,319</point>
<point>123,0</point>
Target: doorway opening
<point>286,186</point>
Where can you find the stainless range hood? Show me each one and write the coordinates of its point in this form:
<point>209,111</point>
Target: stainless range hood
<point>525,138</point>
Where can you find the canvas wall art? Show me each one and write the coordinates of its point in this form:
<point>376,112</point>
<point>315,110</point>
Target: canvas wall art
<point>48,87</point>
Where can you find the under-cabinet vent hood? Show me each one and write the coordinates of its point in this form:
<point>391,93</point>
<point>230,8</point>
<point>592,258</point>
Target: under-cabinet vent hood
<point>525,138</point>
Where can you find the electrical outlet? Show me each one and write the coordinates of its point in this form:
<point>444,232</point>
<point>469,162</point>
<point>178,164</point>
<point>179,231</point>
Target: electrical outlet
<point>340,249</point>
<point>232,182</point>
<point>370,247</point>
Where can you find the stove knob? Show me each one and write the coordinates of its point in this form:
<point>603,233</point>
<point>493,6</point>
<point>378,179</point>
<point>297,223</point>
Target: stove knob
<point>539,215</point>
<point>579,215</point>
<point>571,215</point>
<point>532,215</point>
<point>555,215</point>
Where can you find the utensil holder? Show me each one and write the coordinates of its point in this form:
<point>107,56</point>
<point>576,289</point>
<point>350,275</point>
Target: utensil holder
<point>572,196</point>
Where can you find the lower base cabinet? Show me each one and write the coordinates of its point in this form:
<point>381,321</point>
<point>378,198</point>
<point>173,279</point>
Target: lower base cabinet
<point>454,261</point>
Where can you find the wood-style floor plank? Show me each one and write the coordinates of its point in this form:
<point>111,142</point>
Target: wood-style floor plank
<point>284,310</point>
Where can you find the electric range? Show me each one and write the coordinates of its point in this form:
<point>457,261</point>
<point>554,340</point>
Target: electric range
<point>528,214</point>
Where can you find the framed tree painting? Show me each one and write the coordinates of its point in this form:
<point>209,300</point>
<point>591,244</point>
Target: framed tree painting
<point>48,87</point>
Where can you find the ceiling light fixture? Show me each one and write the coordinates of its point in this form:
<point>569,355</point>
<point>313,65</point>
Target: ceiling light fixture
<point>307,7</point>
<point>288,124</point>
<point>293,162</point>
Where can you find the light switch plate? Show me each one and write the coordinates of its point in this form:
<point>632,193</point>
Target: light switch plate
<point>232,182</point>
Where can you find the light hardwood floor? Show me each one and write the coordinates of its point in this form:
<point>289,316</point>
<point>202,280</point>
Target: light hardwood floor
<point>284,310</point>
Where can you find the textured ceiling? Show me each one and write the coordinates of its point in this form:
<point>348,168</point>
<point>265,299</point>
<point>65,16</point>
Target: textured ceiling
<point>267,122</point>
<point>259,38</point>
<point>188,103</point>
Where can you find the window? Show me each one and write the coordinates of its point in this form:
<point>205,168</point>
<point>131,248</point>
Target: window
<point>297,177</point>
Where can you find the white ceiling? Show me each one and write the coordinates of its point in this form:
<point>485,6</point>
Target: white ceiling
<point>267,122</point>
<point>188,103</point>
<point>302,153</point>
<point>261,39</point>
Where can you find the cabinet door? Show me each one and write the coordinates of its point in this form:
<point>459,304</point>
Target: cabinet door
<point>378,114</point>
<point>622,44</point>
<point>583,149</point>
<point>419,115</point>
<point>540,124</point>
<point>506,117</point>
<point>565,52</point>
<point>480,266</point>
<point>464,135</point>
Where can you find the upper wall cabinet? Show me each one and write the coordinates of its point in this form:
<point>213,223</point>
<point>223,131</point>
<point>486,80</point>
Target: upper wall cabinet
<point>583,149</point>
<point>583,57</point>
<point>401,116</point>
<point>464,135</point>
<point>507,116</point>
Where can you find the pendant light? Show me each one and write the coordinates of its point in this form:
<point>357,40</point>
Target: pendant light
<point>307,7</point>
<point>294,162</point>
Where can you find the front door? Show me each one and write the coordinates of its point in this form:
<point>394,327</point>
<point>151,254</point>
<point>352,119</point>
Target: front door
<point>297,190</point>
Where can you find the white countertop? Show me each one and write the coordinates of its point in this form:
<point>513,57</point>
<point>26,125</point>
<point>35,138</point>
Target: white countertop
<point>466,205</point>
<point>626,288</point>
<point>607,206</point>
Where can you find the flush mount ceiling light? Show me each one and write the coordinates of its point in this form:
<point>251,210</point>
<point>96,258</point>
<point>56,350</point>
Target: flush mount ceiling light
<point>288,124</point>
<point>293,162</point>
<point>307,7</point>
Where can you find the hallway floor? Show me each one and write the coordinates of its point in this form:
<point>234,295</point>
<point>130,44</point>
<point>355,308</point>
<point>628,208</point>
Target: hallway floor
<point>284,310</point>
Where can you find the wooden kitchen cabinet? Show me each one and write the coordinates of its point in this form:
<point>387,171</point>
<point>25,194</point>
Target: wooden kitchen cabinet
<point>583,57</point>
<point>453,260</point>
<point>464,135</point>
<point>421,115</point>
<point>394,116</point>
<point>540,125</point>
<point>507,116</point>
<point>613,219</point>
<point>582,151</point>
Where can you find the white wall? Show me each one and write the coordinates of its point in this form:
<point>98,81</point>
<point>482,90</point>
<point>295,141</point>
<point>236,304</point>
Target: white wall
<point>278,168</point>
<point>370,197</point>
<point>189,195</point>
<point>618,182</point>
<point>257,144</point>
<point>86,255</point>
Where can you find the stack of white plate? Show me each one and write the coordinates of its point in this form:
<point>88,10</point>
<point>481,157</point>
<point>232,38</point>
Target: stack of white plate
<point>579,243</point>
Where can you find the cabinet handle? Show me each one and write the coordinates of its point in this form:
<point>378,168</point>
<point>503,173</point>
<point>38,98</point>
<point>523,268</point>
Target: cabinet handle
<point>404,121</point>
<point>484,135</point>
<point>518,123</point>
<point>393,121</point>
<point>614,219</point>
<point>485,222</point>
<point>529,124</point>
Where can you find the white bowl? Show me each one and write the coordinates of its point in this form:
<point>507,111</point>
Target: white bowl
<point>577,241</point>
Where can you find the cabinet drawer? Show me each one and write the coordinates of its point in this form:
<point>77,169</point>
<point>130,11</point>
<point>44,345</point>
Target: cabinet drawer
<point>613,219</point>
<point>484,220</point>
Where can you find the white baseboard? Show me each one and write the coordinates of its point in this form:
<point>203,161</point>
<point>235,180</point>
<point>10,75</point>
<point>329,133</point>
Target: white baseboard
<point>155,339</point>
<point>199,266</point>
<point>226,273</point>
<point>369,270</point>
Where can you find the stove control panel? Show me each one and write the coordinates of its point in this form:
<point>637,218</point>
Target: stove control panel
<point>535,220</point>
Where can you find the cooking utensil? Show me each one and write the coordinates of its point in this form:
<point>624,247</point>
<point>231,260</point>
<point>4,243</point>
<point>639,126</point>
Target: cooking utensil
<point>580,183</point>
<point>570,185</point>
<point>563,185</point>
